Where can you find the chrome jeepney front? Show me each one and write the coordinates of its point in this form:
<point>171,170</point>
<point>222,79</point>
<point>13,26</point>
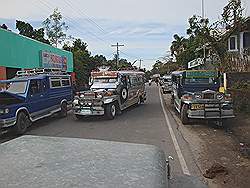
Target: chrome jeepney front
<point>206,109</point>
<point>88,103</point>
<point>210,105</point>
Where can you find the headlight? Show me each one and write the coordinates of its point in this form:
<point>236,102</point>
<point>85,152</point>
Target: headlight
<point>4,111</point>
<point>75,102</point>
<point>219,96</point>
<point>198,96</point>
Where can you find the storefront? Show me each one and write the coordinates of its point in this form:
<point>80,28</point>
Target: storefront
<point>18,52</point>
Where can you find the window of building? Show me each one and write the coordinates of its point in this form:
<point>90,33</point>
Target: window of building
<point>232,43</point>
<point>246,40</point>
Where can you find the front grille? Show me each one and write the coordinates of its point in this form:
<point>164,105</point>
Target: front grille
<point>208,96</point>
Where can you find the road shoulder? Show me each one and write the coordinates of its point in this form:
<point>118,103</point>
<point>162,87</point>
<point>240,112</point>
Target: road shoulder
<point>212,145</point>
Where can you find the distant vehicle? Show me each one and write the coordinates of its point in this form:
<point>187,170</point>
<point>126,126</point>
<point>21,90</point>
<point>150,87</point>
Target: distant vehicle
<point>32,95</point>
<point>195,95</point>
<point>110,93</point>
<point>166,84</point>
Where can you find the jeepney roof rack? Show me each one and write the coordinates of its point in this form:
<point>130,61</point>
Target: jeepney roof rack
<point>38,71</point>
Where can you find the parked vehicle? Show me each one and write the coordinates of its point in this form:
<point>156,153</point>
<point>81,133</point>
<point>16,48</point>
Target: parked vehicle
<point>166,84</point>
<point>195,95</point>
<point>33,95</point>
<point>110,93</point>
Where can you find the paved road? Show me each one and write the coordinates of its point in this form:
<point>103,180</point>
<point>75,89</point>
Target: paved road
<point>143,124</point>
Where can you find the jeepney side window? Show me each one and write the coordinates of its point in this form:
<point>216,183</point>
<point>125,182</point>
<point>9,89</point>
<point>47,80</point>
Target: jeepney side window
<point>124,80</point>
<point>134,80</point>
<point>128,81</point>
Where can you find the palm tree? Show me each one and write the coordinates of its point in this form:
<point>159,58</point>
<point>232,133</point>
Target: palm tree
<point>178,45</point>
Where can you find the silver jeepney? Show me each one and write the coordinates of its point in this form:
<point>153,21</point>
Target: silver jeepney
<point>195,95</point>
<point>110,93</point>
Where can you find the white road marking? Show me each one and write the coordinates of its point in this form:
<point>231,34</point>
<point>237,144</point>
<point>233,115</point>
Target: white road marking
<point>176,145</point>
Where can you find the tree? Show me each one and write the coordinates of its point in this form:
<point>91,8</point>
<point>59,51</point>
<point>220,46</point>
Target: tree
<point>55,28</point>
<point>232,14</point>
<point>178,45</point>
<point>27,30</point>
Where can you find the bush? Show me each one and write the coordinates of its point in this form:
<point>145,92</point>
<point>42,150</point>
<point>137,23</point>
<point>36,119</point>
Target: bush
<point>241,98</point>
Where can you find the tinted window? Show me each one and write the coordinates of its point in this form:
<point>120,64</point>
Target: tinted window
<point>55,82</point>
<point>200,81</point>
<point>35,87</point>
<point>65,82</point>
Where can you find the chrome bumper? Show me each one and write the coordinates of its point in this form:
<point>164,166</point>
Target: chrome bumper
<point>4,123</point>
<point>88,111</point>
<point>209,114</point>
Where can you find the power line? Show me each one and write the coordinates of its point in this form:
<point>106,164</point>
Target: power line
<point>87,17</point>
<point>46,4</point>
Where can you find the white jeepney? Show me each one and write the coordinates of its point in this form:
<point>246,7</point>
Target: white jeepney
<point>110,93</point>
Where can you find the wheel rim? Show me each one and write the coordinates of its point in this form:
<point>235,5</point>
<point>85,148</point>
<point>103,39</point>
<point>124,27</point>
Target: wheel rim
<point>113,110</point>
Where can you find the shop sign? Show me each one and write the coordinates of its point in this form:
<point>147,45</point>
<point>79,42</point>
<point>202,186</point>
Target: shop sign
<point>51,60</point>
<point>195,63</point>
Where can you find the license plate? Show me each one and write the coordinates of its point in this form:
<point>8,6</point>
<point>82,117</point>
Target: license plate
<point>86,111</point>
<point>197,106</point>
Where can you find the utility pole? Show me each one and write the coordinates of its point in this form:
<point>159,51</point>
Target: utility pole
<point>140,64</point>
<point>203,17</point>
<point>117,45</point>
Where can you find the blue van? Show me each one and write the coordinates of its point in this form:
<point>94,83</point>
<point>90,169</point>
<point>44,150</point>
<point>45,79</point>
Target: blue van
<point>33,95</point>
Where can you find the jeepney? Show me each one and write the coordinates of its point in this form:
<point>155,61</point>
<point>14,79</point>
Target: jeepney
<point>110,93</point>
<point>166,84</point>
<point>196,96</point>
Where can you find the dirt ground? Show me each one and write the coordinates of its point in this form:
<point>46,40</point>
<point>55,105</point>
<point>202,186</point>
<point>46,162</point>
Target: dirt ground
<point>219,147</point>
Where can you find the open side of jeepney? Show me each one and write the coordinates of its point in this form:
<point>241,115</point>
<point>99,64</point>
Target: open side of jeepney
<point>110,93</point>
<point>196,96</point>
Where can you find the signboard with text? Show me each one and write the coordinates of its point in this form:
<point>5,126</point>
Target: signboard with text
<point>51,60</point>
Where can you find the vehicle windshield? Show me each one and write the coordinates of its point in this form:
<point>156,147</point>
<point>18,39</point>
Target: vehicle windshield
<point>167,80</point>
<point>104,80</point>
<point>200,81</point>
<point>16,87</point>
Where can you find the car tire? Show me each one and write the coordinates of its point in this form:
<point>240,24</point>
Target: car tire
<point>22,123</point>
<point>110,111</point>
<point>64,110</point>
<point>184,116</point>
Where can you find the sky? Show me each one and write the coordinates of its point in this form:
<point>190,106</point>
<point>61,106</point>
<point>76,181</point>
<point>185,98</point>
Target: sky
<point>144,27</point>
